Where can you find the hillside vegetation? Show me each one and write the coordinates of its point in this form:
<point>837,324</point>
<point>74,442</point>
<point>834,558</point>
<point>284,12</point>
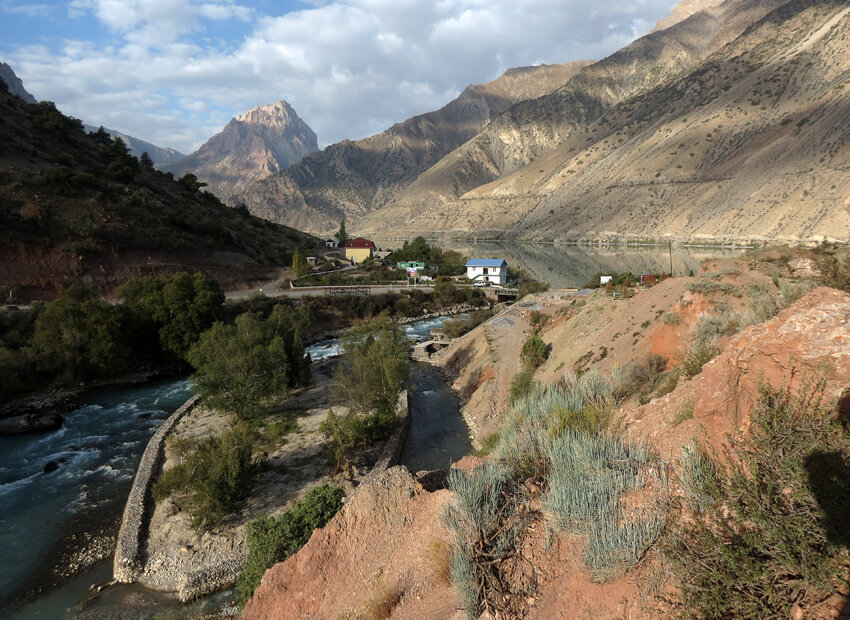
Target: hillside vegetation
<point>76,207</point>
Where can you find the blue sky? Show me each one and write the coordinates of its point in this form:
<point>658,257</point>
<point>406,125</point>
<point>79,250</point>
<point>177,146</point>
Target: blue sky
<point>173,72</point>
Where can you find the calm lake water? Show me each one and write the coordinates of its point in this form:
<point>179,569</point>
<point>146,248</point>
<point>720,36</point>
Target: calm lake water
<point>571,266</point>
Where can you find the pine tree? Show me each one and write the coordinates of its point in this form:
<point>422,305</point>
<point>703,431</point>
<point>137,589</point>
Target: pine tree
<point>146,160</point>
<point>341,236</point>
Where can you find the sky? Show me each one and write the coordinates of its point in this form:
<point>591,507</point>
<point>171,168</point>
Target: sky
<point>174,72</point>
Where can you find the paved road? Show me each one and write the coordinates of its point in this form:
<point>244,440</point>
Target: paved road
<point>312,291</point>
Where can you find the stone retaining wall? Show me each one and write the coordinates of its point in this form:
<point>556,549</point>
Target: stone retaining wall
<point>127,564</point>
<point>395,444</point>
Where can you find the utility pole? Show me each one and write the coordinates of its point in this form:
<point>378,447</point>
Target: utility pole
<point>670,245</point>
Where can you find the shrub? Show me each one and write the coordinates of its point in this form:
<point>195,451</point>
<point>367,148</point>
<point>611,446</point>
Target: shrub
<point>589,475</point>
<point>671,318</point>
<point>531,287</point>
<point>768,531</point>
<point>213,476</point>
<point>697,355</point>
<point>273,539</point>
<point>581,403</point>
<point>352,431</point>
<point>534,351</point>
<point>642,376</point>
<point>719,324</point>
<point>706,287</point>
<point>522,384</point>
<point>538,321</point>
<point>486,520</point>
<point>835,271</point>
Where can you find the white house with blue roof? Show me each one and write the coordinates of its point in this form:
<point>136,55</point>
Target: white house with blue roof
<point>489,270</point>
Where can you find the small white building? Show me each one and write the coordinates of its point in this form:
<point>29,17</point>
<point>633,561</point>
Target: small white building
<point>490,270</point>
<point>331,243</point>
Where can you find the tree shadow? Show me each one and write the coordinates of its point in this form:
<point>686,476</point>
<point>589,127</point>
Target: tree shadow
<point>829,481</point>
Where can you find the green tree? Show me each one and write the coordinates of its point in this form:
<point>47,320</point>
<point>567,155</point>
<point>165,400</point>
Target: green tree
<point>341,235</point>
<point>191,182</point>
<point>374,366</point>
<point>181,306</point>
<point>534,351</point>
<point>299,264</point>
<point>238,367</point>
<point>146,161</point>
<point>78,335</point>
<point>101,136</point>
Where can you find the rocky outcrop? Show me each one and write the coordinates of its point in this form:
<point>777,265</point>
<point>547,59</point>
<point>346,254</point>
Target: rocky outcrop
<point>30,423</point>
<point>14,83</point>
<point>253,146</point>
<point>809,337</point>
<point>376,553</point>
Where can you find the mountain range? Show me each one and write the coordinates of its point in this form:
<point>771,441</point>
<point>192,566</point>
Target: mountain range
<point>728,122</point>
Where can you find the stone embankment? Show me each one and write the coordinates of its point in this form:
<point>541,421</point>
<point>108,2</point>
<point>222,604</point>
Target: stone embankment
<point>127,564</point>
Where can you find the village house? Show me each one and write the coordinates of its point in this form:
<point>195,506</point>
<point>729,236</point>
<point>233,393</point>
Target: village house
<point>487,270</point>
<point>331,243</point>
<point>359,249</point>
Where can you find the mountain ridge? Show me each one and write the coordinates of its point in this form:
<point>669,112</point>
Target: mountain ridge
<point>348,178</point>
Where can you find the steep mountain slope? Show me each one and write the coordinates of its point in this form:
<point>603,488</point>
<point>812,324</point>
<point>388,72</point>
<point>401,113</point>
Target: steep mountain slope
<point>158,154</point>
<point>252,146</point>
<point>744,136</point>
<point>14,83</point>
<point>73,209</point>
<point>348,179</point>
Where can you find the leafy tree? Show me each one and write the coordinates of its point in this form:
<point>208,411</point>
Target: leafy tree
<point>374,366</point>
<point>341,235</point>
<point>181,306</point>
<point>191,182</point>
<point>239,366</point>
<point>444,290</point>
<point>78,335</point>
<point>299,264</point>
<point>146,161</point>
<point>273,539</point>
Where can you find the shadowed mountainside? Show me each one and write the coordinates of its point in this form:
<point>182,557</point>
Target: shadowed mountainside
<point>75,209</point>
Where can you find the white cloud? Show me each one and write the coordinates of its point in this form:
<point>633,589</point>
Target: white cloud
<point>350,68</point>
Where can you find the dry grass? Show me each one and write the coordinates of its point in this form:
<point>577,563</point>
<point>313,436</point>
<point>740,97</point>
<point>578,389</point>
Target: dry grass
<point>382,602</point>
<point>438,560</point>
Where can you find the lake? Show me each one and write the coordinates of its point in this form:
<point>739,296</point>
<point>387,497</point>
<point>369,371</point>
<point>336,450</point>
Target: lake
<point>571,266</point>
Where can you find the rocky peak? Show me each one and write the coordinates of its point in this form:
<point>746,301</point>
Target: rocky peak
<point>14,83</point>
<point>251,147</point>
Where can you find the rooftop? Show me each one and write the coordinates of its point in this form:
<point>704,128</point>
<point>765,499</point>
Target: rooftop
<point>486,262</point>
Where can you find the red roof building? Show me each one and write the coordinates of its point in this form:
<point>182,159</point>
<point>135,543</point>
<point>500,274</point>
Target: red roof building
<point>359,242</point>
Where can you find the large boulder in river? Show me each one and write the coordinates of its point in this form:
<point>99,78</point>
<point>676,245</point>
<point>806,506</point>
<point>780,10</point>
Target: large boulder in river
<point>30,423</point>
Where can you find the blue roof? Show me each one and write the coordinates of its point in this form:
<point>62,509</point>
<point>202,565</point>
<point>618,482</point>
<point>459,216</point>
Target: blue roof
<point>486,262</point>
